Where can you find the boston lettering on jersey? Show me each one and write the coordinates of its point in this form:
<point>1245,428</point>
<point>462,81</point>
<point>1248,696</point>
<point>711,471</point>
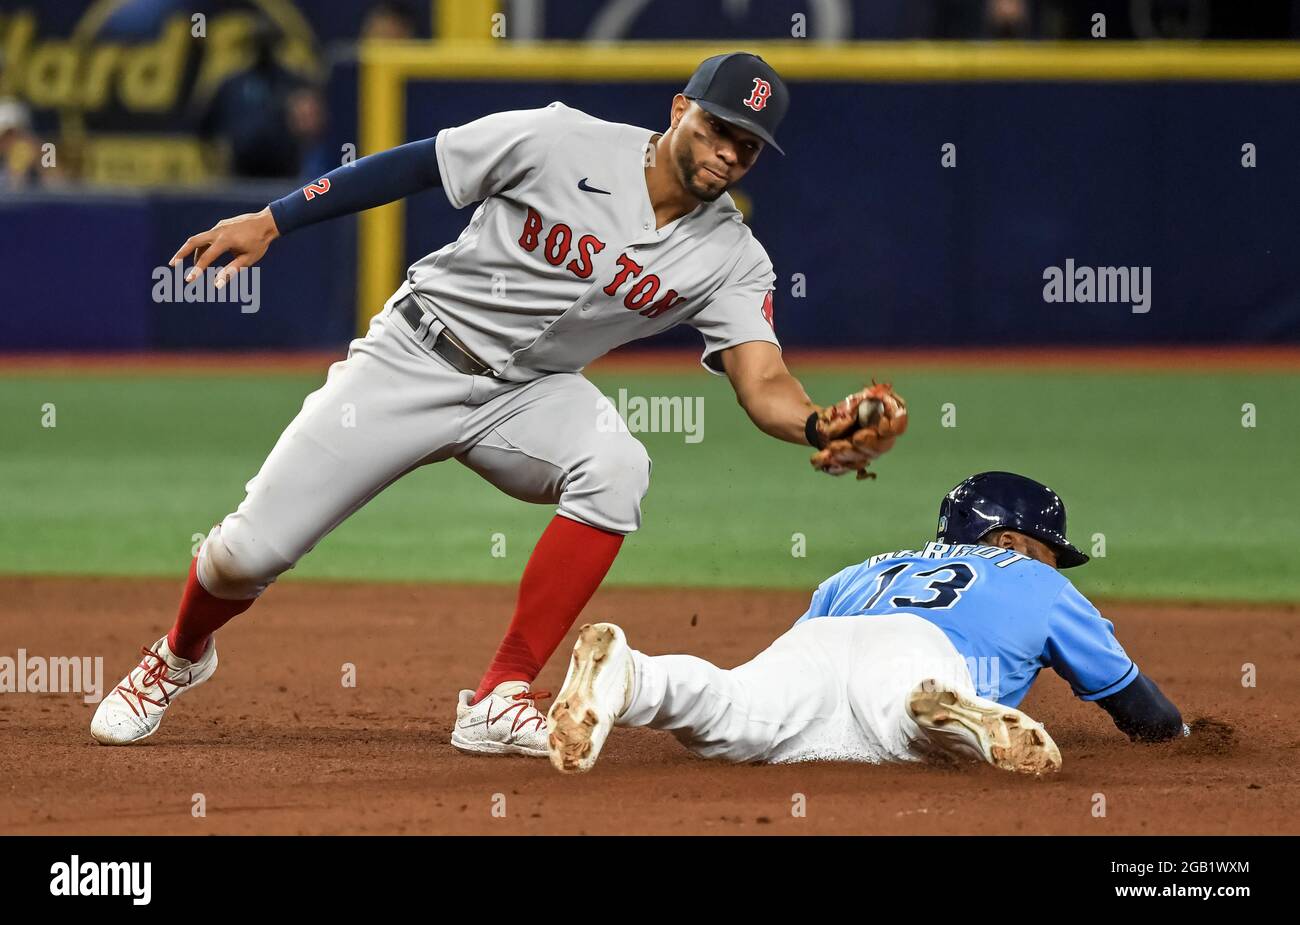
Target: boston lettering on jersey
<point>641,295</point>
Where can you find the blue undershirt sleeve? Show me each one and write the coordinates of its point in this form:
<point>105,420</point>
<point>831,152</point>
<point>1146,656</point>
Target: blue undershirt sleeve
<point>372,181</point>
<point>1142,712</point>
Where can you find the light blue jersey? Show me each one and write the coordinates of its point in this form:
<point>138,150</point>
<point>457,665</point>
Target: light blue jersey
<point>1007,614</point>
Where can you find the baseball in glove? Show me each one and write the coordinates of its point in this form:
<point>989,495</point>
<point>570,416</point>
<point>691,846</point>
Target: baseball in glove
<point>851,433</point>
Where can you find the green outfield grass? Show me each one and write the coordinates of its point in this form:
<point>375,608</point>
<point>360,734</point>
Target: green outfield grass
<point>1192,504</point>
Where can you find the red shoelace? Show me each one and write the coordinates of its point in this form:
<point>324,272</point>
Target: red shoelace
<point>523,700</point>
<point>154,674</point>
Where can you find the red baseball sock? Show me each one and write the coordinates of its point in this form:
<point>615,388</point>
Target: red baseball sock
<point>200,616</point>
<point>567,565</point>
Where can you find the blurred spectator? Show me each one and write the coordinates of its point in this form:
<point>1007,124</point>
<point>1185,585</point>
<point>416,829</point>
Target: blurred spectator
<point>1006,19</point>
<point>1125,19</point>
<point>999,19</point>
<point>20,150</point>
<point>389,19</point>
<point>270,117</point>
<point>1170,19</point>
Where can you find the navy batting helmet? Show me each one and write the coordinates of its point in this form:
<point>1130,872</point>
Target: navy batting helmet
<point>1004,500</point>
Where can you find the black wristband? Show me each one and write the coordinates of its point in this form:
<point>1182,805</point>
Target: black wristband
<point>810,431</point>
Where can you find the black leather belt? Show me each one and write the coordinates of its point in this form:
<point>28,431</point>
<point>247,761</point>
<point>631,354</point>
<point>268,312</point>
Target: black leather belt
<point>444,344</point>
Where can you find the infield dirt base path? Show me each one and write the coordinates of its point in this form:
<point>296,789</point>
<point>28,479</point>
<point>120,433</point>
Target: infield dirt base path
<point>276,744</point>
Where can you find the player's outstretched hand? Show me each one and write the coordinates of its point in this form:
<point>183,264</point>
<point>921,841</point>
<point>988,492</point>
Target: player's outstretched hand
<point>859,429</point>
<point>245,237</point>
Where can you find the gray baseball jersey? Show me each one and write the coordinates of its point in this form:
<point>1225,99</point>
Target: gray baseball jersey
<point>562,261</point>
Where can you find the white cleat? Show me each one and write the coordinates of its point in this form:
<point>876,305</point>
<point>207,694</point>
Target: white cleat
<point>133,710</point>
<point>973,727</point>
<point>596,691</point>
<point>505,722</point>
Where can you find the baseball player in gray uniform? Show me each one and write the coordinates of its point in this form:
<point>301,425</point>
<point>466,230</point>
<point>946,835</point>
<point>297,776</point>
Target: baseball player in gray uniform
<point>588,234</point>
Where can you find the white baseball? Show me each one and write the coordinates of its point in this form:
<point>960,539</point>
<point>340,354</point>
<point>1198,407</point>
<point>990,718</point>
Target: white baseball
<point>869,411</point>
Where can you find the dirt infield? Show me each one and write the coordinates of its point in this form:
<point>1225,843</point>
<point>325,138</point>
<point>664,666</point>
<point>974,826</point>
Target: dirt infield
<point>276,744</point>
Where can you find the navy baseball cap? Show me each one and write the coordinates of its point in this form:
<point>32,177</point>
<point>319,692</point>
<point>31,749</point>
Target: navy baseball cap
<point>742,89</point>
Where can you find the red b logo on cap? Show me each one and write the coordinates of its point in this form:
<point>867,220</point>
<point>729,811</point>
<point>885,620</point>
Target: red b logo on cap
<point>758,99</point>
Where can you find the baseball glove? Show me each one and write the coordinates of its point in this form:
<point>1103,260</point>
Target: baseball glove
<point>855,431</point>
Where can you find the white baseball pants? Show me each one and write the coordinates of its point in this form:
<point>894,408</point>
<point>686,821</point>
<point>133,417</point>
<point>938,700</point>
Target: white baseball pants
<point>832,688</point>
<point>392,406</point>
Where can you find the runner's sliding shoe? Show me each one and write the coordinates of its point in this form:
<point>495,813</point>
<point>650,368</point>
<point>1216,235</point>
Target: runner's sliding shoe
<point>596,691</point>
<point>973,727</point>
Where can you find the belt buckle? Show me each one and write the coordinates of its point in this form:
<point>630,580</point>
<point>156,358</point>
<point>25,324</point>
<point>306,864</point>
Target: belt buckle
<point>423,323</point>
<point>431,331</point>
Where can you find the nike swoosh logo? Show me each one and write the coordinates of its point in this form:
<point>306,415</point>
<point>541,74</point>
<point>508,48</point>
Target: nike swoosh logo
<point>582,185</point>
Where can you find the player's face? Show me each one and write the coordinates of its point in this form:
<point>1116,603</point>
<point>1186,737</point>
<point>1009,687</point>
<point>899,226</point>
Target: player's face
<point>710,154</point>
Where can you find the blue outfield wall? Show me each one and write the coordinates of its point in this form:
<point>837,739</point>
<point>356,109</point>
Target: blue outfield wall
<point>79,275</point>
<point>897,250</point>
<point>894,249</point>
